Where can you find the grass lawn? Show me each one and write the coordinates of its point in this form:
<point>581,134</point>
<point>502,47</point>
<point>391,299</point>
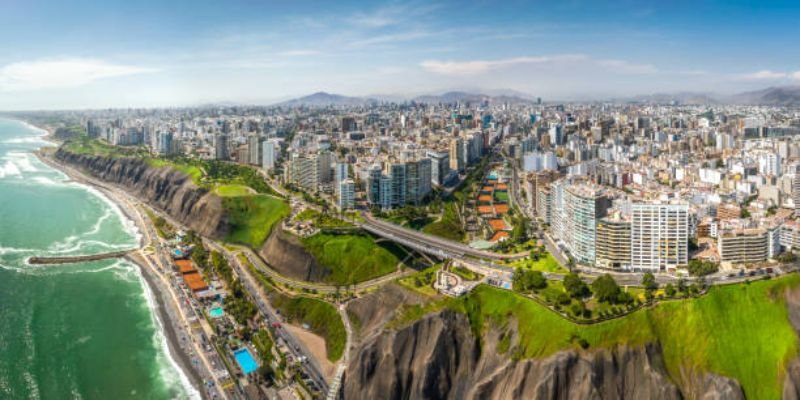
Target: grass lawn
<point>327,221</point>
<point>740,331</point>
<point>466,274</point>
<point>194,172</point>
<point>422,281</point>
<point>321,317</point>
<point>232,190</point>
<point>449,227</point>
<point>353,258</point>
<point>501,197</point>
<point>545,264</point>
<point>253,217</point>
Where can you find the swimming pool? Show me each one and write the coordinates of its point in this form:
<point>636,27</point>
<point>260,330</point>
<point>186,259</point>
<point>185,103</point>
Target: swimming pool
<point>216,312</point>
<point>245,360</point>
<point>492,176</point>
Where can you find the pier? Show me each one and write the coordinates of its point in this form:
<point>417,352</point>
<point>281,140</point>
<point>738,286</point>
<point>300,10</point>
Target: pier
<point>77,259</point>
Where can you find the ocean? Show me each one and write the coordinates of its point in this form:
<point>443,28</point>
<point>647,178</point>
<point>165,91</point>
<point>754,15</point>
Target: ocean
<point>81,331</point>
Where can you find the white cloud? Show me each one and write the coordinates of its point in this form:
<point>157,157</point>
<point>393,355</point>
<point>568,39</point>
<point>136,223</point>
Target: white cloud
<point>796,75</point>
<point>391,38</point>
<point>764,74</point>
<point>61,73</point>
<point>481,66</point>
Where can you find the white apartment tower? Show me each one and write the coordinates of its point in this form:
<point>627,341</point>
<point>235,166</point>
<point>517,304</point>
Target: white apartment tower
<point>659,236</point>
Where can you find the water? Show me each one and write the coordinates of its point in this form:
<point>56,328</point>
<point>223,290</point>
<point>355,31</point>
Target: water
<point>83,331</point>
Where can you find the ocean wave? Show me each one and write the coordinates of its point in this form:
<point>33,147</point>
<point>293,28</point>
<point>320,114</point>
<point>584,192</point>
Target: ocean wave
<point>22,160</point>
<point>160,339</point>
<point>26,140</point>
<point>9,169</point>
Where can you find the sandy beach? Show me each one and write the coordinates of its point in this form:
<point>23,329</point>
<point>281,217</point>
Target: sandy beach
<point>165,310</point>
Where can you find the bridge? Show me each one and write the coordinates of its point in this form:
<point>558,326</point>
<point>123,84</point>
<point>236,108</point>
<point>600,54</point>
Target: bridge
<point>78,259</point>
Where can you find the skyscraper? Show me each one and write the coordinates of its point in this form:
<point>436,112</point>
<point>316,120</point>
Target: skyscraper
<point>659,236</point>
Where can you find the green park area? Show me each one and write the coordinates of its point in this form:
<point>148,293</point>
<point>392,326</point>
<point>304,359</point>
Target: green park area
<point>353,258</point>
<point>320,316</point>
<point>546,263</point>
<point>740,331</point>
<point>252,217</point>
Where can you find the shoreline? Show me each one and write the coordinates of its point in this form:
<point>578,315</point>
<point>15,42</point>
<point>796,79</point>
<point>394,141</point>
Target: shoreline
<point>167,324</point>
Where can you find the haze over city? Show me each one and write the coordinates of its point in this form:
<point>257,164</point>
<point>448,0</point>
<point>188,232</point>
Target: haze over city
<point>121,54</point>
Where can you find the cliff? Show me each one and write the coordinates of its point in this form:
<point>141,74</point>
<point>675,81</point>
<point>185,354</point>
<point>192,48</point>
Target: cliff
<point>439,358</point>
<point>288,256</point>
<point>169,190</point>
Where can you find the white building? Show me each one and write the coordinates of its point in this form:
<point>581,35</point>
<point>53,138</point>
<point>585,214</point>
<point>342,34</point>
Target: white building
<point>659,236</point>
<point>347,194</point>
<point>270,154</point>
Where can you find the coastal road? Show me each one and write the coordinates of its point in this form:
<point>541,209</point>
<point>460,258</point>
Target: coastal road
<point>295,346</point>
<point>158,268</point>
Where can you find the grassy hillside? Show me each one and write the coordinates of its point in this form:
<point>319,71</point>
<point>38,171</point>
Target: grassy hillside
<point>321,317</point>
<point>353,258</point>
<point>232,190</point>
<point>739,331</point>
<point>449,226</point>
<point>253,217</point>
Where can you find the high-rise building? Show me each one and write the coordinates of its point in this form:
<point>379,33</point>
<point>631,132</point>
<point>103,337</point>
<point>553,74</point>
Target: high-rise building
<point>346,191</point>
<point>270,154</point>
<point>440,166</point>
<point>584,205</point>
<point>254,146</point>
<point>221,147</point>
<point>457,162</point>
<point>164,143</point>
<point>349,124</point>
<point>613,242</point>
<point>659,236</point>
<point>399,183</point>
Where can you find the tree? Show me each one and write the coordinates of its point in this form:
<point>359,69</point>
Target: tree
<point>681,285</point>
<point>578,308</point>
<point>525,281</point>
<point>576,287</point>
<point>787,257</point>
<point>605,289</point>
<point>702,268</point>
<point>669,290</point>
<point>649,281</point>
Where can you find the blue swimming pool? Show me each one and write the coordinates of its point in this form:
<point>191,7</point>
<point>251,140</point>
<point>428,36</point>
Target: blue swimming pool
<point>216,312</point>
<point>245,360</point>
<point>492,176</point>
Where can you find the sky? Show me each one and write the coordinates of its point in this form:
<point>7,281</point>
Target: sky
<point>154,53</point>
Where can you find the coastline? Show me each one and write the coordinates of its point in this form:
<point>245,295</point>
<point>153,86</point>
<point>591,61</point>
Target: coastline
<point>167,324</point>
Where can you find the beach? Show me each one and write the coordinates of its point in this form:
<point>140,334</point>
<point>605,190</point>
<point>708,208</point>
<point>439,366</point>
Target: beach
<point>165,311</point>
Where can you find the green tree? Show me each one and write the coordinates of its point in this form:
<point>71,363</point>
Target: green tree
<point>669,290</point>
<point>649,281</point>
<point>525,281</point>
<point>605,289</point>
<point>575,286</point>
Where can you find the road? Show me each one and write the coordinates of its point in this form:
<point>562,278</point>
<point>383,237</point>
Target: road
<point>160,268</point>
<point>426,243</point>
<point>295,346</point>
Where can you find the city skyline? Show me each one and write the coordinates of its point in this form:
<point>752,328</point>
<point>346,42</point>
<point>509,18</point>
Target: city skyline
<point>86,55</point>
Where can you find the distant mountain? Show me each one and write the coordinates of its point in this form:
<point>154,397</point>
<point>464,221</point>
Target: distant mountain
<point>692,98</point>
<point>777,96</point>
<point>323,99</point>
<point>463,97</point>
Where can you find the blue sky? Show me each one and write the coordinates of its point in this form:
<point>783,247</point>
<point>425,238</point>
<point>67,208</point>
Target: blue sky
<point>159,53</point>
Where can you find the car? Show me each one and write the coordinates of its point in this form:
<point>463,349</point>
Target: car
<point>770,270</point>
